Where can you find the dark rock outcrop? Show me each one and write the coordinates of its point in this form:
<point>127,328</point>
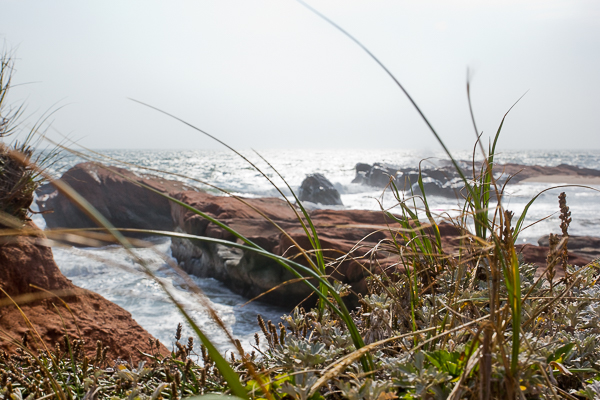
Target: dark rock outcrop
<point>377,175</point>
<point>318,189</point>
<point>440,181</point>
<point>26,260</point>
<point>114,193</point>
<point>446,181</point>
<point>432,187</point>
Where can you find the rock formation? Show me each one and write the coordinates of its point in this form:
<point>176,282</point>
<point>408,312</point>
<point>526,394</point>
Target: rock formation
<point>339,231</point>
<point>537,255</point>
<point>522,172</point>
<point>26,260</point>
<point>112,191</point>
<point>342,232</point>
<point>440,181</point>
<point>444,180</point>
<point>586,247</point>
<point>318,189</point>
<point>250,274</point>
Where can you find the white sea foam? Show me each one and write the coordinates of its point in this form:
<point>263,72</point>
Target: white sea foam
<point>114,274</point>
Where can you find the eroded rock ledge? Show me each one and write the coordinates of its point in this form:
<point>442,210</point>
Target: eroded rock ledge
<point>251,274</point>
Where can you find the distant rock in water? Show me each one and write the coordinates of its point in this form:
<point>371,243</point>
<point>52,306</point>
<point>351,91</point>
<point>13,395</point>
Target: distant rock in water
<point>318,189</point>
<point>443,179</point>
<point>439,181</point>
<point>431,187</point>
<point>374,175</point>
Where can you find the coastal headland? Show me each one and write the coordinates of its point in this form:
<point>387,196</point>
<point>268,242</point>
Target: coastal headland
<point>352,240</point>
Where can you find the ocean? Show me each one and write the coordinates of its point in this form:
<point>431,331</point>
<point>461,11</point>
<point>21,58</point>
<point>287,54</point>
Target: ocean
<point>111,272</point>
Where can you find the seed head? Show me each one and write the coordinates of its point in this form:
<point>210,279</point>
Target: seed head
<point>190,345</point>
<point>178,332</point>
<point>565,214</point>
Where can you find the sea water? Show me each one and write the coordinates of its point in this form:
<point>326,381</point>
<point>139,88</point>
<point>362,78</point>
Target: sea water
<point>112,272</point>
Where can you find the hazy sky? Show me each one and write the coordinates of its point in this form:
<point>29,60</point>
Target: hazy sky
<point>270,74</point>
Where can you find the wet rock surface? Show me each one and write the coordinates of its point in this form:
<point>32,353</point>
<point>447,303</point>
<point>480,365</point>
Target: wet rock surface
<point>439,181</point>
<point>318,189</point>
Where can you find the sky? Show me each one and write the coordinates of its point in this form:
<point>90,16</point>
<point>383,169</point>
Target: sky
<point>271,74</point>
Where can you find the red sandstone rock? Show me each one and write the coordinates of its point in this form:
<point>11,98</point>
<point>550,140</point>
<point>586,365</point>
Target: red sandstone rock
<point>118,198</point>
<point>346,235</point>
<point>26,260</point>
<point>587,247</point>
<point>522,172</point>
<point>537,255</point>
<point>250,274</point>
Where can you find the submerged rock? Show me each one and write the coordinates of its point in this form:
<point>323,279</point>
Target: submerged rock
<point>318,189</point>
